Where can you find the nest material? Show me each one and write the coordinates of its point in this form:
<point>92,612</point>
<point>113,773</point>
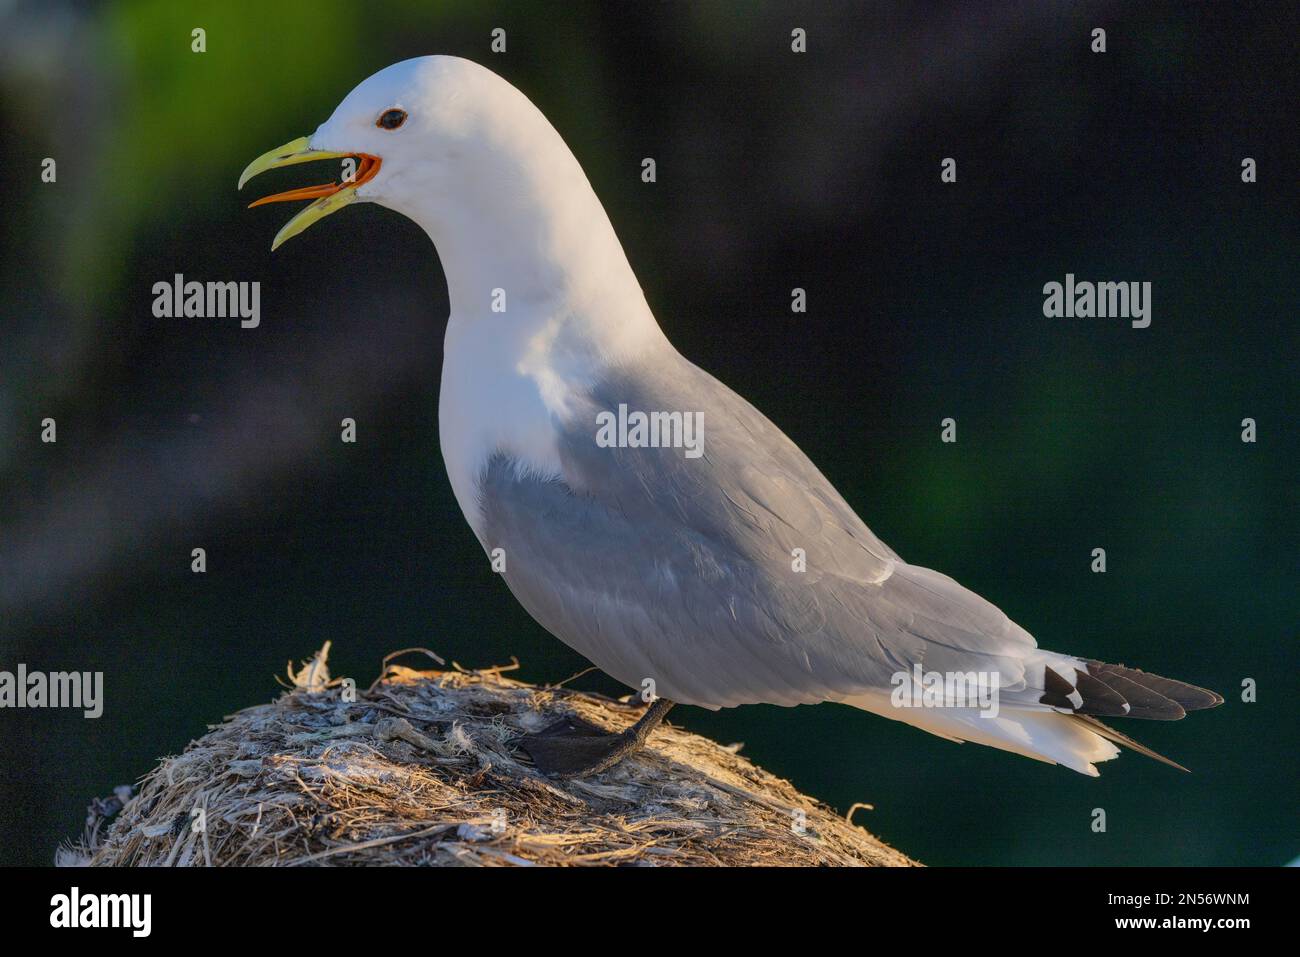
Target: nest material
<point>419,769</point>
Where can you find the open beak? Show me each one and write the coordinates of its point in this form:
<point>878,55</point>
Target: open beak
<point>329,197</point>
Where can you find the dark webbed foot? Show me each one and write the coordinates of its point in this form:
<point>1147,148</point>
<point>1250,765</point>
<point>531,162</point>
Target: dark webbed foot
<point>572,747</point>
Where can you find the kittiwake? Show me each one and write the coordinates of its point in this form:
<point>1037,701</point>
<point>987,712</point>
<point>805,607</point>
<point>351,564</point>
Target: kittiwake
<point>641,511</point>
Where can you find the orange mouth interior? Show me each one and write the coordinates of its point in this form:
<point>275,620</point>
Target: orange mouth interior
<point>366,170</point>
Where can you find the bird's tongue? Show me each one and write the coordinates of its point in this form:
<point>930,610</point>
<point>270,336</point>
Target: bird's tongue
<point>305,192</point>
<point>366,169</point>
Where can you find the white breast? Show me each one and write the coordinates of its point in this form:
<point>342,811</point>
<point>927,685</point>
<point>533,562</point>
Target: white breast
<point>489,402</point>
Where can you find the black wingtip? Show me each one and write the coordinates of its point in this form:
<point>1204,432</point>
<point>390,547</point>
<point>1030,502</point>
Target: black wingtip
<point>1186,697</point>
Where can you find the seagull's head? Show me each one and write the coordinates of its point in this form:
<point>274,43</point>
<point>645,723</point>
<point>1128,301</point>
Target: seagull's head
<point>456,148</point>
<point>438,138</point>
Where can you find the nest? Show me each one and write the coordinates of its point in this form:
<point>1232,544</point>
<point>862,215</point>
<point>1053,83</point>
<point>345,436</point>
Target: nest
<point>419,769</point>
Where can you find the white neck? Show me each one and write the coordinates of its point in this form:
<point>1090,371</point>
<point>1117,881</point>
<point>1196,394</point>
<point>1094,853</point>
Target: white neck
<point>542,297</point>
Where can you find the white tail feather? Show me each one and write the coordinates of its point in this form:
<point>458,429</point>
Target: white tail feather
<point>1041,735</point>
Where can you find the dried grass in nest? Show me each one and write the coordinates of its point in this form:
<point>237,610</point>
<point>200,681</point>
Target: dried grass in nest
<point>419,769</point>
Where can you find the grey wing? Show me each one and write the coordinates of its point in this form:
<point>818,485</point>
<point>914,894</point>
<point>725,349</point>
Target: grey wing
<point>688,571</point>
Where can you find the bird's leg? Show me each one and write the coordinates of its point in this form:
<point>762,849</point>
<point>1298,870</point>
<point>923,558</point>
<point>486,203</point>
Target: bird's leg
<point>572,747</point>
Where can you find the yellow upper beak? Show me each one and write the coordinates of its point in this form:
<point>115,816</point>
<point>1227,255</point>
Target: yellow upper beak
<point>329,197</point>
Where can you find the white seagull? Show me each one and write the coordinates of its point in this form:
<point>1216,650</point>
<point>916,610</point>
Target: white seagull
<point>668,566</point>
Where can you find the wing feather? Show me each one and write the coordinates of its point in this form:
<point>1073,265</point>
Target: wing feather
<point>656,565</point>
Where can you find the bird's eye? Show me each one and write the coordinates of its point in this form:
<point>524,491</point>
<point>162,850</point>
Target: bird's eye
<point>391,119</point>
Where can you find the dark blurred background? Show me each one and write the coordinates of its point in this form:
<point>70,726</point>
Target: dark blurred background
<point>775,170</point>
